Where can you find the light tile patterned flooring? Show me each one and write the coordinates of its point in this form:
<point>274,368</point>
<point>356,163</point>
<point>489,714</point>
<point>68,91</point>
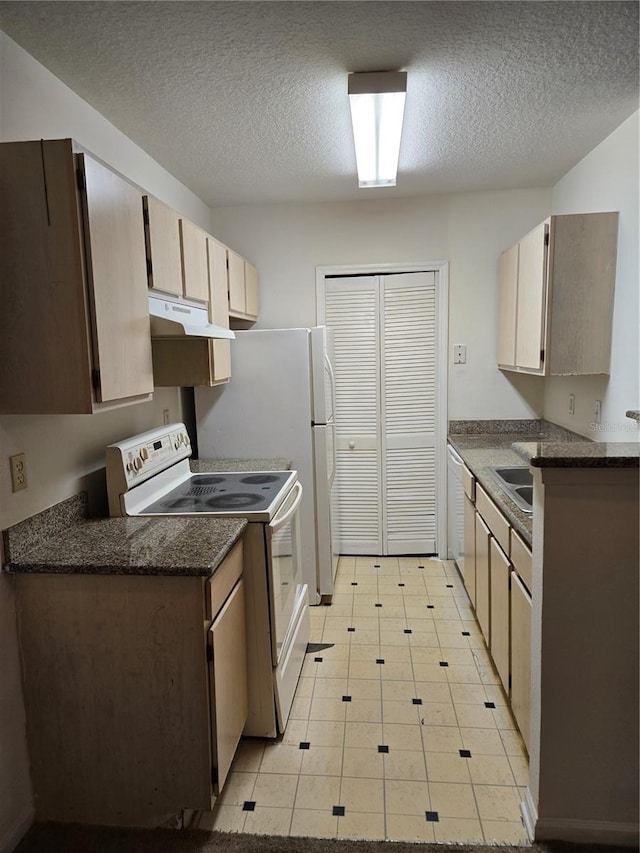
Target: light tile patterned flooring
<point>399,729</point>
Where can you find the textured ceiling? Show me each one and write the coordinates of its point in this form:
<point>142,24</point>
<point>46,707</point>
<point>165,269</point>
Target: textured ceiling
<point>245,102</point>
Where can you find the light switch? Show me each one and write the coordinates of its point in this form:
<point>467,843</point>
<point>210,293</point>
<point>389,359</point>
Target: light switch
<point>460,354</point>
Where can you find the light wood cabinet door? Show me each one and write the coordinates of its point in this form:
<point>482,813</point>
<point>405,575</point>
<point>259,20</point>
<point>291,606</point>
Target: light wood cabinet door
<point>164,257</point>
<point>219,309</point>
<point>237,302</point>
<point>507,306</point>
<point>195,267</point>
<point>228,681</point>
<point>75,327</point>
<point>521,657</point>
<point>469,561</point>
<point>117,272</point>
<point>532,293</point>
<point>483,578</point>
<point>500,619</point>
<point>252,304</point>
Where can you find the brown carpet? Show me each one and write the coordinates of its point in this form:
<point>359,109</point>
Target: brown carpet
<point>56,838</point>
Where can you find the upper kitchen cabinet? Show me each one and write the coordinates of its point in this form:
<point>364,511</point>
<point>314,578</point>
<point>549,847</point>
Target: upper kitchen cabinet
<point>75,320</point>
<point>176,253</point>
<point>197,361</point>
<point>195,272</point>
<point>243,288</point>
<point>556,288</point>
<point>164,256</point>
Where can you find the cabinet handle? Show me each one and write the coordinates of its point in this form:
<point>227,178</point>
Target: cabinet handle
<point>352,444</point>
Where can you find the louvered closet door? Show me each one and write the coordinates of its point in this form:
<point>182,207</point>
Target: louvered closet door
<point>385,377</point>
<point>408,374</point>
<point>352,311</point>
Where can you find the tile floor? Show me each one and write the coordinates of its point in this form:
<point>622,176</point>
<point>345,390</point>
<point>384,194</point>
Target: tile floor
<point>399,728</point>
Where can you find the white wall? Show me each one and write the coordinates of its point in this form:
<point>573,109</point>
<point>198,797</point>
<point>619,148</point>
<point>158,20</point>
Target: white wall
<point>607,179</point>
<point>64,454</point>
<point>288,241</point>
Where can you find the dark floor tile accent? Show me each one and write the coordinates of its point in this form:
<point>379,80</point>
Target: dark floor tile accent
<point>376,565</point>
<point>249,806</point>
<point>408,631</point>
<point>338,810</point>
<point>417,701</point>
<point>351,630</point>
<point>421,567</point>
<point>466,633</point>
<point>431,606</point>
<point>318,647</point>
<point>304,744</point>
<point>318,660</point>
<point>444,663</point>
<point>464,753</point>
<point>383,748</point>
<point>489,704</point>
<point>379,660</point>
<point>354,583</point>
<point>449,586</point>
<point>346,698</point>
<point>400,584</point>
<point>378,605</point>
<point>432,817</point>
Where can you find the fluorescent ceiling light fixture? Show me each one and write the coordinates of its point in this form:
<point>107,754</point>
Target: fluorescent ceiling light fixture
<point>377,107</point>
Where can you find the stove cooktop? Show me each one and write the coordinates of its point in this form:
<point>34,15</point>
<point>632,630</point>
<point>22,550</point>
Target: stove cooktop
<point>237,493</point>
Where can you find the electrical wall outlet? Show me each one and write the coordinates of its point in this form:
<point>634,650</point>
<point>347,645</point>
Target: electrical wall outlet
<point>572,404</point>
<point>166,416</point>
<point>18,472</point>
<point>597,411</point>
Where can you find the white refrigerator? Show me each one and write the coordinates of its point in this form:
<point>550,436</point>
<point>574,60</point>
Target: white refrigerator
<point>280,403</point>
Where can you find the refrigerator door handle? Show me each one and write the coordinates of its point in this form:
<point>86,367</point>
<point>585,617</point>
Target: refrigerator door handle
<point>332,385</point>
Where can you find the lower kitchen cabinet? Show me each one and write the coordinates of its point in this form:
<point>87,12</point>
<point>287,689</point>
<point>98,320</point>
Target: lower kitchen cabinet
<point>500,639</point>
<point>470,550</point>
<point>521,657</point>
<point>483,578</point>
<point>497,577</point>
<point>135,691</point>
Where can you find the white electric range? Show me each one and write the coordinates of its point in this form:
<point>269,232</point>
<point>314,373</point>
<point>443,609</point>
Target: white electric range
<point>150,475</point>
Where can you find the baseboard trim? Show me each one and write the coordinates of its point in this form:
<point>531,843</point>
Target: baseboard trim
<point>587,831</point>
<point>13,835</point>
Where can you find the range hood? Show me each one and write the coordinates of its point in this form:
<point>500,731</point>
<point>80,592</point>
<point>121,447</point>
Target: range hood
<point>171,319</point>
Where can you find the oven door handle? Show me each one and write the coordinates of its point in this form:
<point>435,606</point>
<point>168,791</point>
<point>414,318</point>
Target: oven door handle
<point>279,520</point>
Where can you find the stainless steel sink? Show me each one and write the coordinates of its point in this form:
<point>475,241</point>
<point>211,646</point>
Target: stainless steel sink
<point>517,483</point>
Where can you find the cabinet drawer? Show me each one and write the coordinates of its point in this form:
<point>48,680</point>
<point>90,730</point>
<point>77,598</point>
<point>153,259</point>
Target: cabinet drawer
<point>223,580</point>
<point>469,483</point>
<point>494,519</point>
<point>521,559</point>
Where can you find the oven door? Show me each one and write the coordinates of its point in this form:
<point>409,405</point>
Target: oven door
<point>284,570</point>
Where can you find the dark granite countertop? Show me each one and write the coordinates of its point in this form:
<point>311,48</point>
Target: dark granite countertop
<point>64,540</point>
<point>201,466</point>
<point>485,444</point>
<point>579,454</point>
<point>481,452</point>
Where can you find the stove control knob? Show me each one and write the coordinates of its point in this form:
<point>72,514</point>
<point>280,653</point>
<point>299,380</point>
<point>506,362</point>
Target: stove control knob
<point>137,463</point>
<point>129,466</point>
<point>185,439</point>
<point>144,454</point>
